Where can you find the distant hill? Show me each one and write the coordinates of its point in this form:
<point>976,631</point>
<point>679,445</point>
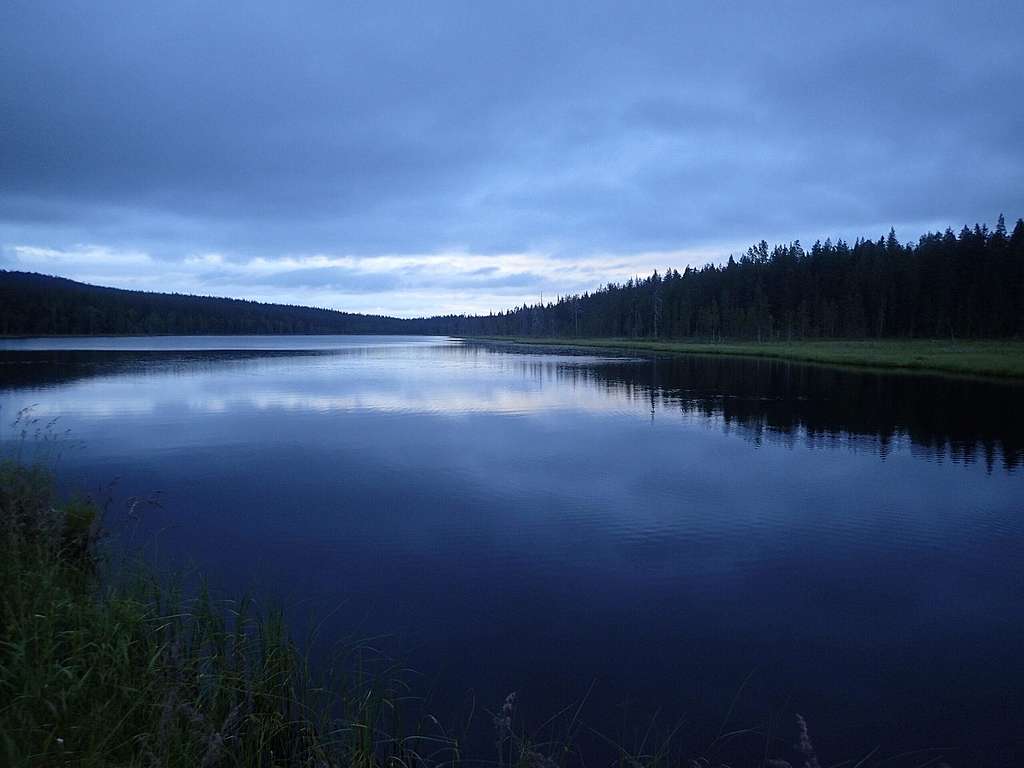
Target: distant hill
<point>34,304</point>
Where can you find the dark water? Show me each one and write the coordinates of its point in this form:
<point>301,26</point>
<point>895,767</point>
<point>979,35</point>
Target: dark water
<point>706,538</point>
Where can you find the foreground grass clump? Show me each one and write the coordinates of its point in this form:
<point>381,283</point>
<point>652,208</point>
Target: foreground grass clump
<point>94,675</point>
<point>980,358</point>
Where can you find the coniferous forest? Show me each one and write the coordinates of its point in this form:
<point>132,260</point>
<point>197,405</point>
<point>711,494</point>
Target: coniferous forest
<point>966,285</point>
<point>969,285</point>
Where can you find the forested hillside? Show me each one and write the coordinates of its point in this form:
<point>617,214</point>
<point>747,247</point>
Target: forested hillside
<point>966,285</point>
<point>32,304</point>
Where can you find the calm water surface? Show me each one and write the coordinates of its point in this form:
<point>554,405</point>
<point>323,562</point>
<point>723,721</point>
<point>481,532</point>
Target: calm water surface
<point>848,543</point>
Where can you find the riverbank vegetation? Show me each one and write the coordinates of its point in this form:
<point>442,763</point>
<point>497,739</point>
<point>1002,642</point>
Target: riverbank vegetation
<point>126,671</point>
<point>976,358</point>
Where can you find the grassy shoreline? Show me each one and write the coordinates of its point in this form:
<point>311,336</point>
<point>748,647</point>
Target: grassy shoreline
<point>986,358</point>
<point>1004,359</point>
<point>102,665</point>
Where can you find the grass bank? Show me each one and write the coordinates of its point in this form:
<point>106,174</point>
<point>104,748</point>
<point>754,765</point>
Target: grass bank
<point>93,674</point>
<point>977,358</point>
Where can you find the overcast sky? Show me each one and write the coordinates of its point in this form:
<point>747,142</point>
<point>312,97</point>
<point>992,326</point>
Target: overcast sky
<point>434,157</point>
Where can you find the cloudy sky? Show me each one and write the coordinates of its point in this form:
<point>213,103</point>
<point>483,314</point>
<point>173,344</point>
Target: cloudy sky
<point>414,158</point>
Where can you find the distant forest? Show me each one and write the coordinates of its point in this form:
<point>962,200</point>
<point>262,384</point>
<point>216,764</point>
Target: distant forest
<point>32,304</point>
<point>968,285</point>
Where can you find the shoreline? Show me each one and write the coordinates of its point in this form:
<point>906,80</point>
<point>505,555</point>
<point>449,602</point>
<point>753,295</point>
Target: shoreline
<point>1001,359</point>
<point>987,358</point>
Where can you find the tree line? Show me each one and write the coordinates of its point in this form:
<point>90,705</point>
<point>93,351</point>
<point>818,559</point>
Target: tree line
<point>968,285</point>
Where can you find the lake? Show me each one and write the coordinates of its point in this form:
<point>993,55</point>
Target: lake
<point>725,541</point>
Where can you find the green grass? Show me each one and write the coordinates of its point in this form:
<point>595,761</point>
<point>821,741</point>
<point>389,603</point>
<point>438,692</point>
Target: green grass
<point>978,358</point>
<point>93,675</point>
